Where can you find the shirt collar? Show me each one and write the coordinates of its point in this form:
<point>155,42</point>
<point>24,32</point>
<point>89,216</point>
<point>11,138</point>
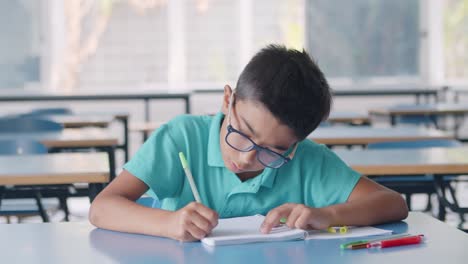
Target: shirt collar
<point>215,158</point>
<point>268,177</point>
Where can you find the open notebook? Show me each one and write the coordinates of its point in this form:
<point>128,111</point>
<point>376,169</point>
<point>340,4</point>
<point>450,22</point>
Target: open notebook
<point>241,230</point>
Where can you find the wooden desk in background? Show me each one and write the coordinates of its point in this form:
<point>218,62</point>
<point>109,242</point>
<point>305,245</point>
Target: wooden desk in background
<point>438,162</point>
<point>362,136</point>
<point>56,168</point>
<point>96,120</point>
<point>70,139</point>
<point>457,111</point>
<point>145,95</point>
<point>349,118</point>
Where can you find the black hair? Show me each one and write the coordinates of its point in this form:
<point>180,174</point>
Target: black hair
<point>291,86</point>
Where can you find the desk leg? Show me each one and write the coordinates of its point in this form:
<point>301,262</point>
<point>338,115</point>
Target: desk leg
<point>393,120</point>
<point>441,195</point>
<point>125,145</point>
<point>40,207</point>
<point>2,192</point>
<point>147,110</point>
<point>440,187</point>
<point>110,150</point>
<point>111,154</point>
<point>94,190</point>
<point>435,121</point>
<point>187,105</point>
<point>458,122</point>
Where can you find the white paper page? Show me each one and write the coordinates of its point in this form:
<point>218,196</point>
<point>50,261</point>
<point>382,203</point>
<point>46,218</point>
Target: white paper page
<point>240,230</point>
<point>353,231</point>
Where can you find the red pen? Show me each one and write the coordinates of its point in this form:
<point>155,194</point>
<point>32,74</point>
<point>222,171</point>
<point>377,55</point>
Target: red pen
<point>396,242</point>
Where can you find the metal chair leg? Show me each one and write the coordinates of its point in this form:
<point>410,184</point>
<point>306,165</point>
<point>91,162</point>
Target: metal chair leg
<point>64,207</point>
<point>429,203</point>
<point>455,202</point>
<point>43,213</point>
<point>408,200</point>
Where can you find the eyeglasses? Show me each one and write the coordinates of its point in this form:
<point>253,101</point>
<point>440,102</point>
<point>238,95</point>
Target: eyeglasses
<point>241,142</point>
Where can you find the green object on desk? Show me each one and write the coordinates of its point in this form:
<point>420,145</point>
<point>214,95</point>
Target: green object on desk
<point>346,245</point>
<point>360,242</point>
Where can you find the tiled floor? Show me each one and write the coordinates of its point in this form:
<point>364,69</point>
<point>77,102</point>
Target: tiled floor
<point>79,208</point>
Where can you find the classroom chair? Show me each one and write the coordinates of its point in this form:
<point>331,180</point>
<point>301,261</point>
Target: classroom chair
<point>50,111</point>
<point>28,124</point>
<point>21,207</point>
<point>31,124</point>
<point>409,185</point>
<point>419,120</point>
<point>145,128</point>
<point>21,146</point>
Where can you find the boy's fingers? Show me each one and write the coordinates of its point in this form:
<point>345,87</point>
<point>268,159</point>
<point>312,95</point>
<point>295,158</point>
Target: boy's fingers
<point>208,214</point>
<point>201,222</point>
<point>196,232</point>
<point>302,222</point>
<point>273,218</point>
<point>293,216</point>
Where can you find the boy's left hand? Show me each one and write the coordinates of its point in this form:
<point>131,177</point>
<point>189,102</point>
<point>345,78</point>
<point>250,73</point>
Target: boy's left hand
<point>298,216</point>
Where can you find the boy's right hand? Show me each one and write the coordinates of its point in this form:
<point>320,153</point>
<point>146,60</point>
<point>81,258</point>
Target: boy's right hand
<point>191,223</point>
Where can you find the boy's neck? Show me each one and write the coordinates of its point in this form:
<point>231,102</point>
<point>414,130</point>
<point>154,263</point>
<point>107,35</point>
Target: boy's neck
<point>243,176</point>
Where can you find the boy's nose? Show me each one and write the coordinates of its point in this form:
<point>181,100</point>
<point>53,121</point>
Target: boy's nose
<point>247,159</point>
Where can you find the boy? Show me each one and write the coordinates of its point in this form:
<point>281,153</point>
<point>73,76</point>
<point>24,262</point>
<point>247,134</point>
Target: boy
<point>251,158</point>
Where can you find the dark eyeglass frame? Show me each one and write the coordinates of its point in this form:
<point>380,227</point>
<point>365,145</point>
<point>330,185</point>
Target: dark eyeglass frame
<point>255,146</point>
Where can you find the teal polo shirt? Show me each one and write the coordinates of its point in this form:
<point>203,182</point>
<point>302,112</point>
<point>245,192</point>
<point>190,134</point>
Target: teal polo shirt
<point>315,177</point>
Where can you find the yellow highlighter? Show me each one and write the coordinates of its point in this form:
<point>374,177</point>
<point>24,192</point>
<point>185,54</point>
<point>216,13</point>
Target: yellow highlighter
<point>331,229</point>
<point>188,173</point>
<point>338,229</point>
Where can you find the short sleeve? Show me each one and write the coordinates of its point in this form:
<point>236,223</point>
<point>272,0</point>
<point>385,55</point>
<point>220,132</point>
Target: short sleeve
<point>157,164</point>
<point>334,183</point>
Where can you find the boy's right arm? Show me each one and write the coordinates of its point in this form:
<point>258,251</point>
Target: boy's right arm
<point>115,209</point>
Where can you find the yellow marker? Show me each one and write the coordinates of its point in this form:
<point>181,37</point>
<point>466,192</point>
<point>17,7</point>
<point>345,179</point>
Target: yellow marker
<point>340,229</point>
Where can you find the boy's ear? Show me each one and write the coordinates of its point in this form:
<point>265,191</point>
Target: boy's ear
<point>226,97</point>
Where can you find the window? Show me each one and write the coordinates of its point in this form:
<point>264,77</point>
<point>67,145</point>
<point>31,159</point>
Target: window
<point>132,51</point>
<point>195,44</point>
<point>212,37</point>
<point>205,44</point>
<point>362,39</point>
<point>20,43</point>
<point>456,40</point>
<point>277,21</point>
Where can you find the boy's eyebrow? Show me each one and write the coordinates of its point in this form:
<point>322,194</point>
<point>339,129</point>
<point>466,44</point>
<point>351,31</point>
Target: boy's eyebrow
<point>281,148</point>
<point>249,126</point>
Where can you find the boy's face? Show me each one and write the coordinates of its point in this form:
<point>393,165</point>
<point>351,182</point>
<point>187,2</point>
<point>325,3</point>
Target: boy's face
<point>255,121</point>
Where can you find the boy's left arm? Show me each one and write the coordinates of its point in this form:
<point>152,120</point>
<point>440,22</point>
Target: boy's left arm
<point>368,204</point>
